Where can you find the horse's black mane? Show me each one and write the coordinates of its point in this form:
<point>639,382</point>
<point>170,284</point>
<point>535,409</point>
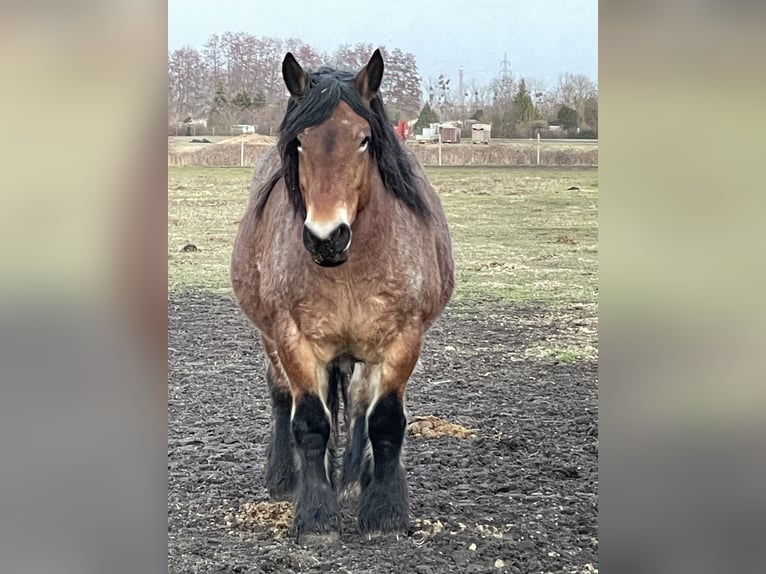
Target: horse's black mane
<point>327,87</point>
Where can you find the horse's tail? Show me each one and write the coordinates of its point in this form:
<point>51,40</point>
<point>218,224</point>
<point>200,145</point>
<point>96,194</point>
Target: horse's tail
<point>339,379</point>
<point>335,388</point>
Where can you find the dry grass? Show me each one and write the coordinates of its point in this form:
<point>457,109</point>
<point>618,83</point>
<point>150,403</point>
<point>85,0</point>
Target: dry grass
<point>434,427</point>
<point>274,517</point>
<point>516,154</point>
<point>204,206</point>
<point>225,151</point>
<point>505,226</point>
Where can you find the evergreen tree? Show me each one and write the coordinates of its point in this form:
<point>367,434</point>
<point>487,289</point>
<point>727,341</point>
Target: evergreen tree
<point>524,108</point>
<point>568,118</point>
<point>220,100</point>
<point>427,116</point>
<point>242,100</point>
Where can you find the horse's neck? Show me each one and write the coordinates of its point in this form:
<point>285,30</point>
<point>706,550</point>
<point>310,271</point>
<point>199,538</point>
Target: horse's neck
<point>378,214</point>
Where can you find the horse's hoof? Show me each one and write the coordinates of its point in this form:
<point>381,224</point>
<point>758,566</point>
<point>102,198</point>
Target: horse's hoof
<point>384,507</point>
<point>383,516</point>
<point>377,526</point>
<point>386,535</point>
<point>317,515</point>
<point>280,495</point>
<point>280,489</point>
<point>318,538</point>
<point>281,477</point>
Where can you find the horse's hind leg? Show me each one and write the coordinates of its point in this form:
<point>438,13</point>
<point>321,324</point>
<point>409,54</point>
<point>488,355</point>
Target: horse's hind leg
<point>383,504</point>
<point>357,444</point>
<point>281,472</point>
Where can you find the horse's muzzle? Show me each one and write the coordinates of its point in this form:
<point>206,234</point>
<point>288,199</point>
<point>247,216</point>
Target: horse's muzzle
<point>330,251</point>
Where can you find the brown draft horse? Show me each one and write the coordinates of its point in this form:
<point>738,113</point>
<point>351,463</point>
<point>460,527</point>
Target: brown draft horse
<point>343,261</point>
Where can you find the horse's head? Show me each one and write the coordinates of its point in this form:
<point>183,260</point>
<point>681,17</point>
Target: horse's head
<point>334,164</point>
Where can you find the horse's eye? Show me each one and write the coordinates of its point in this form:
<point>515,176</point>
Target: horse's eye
<point>364,144</point>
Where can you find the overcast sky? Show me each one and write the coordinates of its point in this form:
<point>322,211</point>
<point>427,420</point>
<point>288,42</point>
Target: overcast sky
<point>542,38</point>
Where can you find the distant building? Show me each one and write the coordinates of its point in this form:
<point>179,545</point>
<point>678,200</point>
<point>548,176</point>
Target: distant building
<point>198,123</point>
<point>430,134</point>
<point>450,134</point>
<point>480,133</point>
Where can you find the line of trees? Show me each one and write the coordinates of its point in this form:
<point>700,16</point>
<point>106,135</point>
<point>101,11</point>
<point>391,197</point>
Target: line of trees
<point>522,107</point>
<point>235,78</point>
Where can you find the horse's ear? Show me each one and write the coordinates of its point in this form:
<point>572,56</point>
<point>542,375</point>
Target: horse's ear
<point>295,78</point>
<point>368,79</point>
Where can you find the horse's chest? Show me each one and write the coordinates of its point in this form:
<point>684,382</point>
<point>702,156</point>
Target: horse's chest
<point>361,322</point>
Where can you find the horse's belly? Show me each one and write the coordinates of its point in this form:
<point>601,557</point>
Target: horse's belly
<point>362,329</point>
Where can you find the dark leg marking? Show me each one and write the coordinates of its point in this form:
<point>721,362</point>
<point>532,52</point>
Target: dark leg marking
<point>317,515</point>
<point>281,472</point>
<point>353,456</point>
<point>383,505</point>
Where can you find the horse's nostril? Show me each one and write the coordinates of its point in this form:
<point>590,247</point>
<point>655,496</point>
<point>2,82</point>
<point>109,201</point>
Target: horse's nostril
<point>310,240</point>
<point>341,237</point>
<point>330,249</point>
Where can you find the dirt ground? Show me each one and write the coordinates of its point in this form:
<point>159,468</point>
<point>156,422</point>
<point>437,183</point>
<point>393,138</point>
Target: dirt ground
<point>501,459</point>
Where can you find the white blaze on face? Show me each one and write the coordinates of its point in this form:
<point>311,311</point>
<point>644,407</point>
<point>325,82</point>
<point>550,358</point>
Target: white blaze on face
<point>322,228</point>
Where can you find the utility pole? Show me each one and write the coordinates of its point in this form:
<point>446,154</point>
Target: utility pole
<point>462,91</point>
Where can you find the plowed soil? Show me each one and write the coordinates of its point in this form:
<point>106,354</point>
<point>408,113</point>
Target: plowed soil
<point>501,453</point>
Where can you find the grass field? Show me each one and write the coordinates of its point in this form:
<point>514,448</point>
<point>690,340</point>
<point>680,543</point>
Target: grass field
<point>519,235</point>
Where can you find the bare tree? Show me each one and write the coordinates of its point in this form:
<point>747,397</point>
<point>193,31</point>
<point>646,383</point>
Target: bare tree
<point>187,84</point>
<point>348,57</point>
<point>214,61</point>
<point>479,95</point>
<point>573,90</point>
<point>269,69</point>
<point>401,83</point>
<point>309,58</point>
<point>503,90</point>
<point>548,103</point>
<point>234,46</point>
<point>591,113</point>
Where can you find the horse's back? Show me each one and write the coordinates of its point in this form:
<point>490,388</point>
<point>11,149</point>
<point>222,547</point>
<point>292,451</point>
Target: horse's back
<point>248,245</point>
<point>440,230</point>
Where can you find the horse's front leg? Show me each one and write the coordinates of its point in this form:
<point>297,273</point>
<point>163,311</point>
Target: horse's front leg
<point>317,514</point>
<point>383,504</point>
<point>281,470</point>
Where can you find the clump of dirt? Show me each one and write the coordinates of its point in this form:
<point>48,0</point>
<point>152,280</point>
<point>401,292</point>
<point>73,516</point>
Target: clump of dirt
<point>434,427</point>
<point>189,248</point>
<point>426,528</point>
<point>275,517</point>
<point>566,239</point>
